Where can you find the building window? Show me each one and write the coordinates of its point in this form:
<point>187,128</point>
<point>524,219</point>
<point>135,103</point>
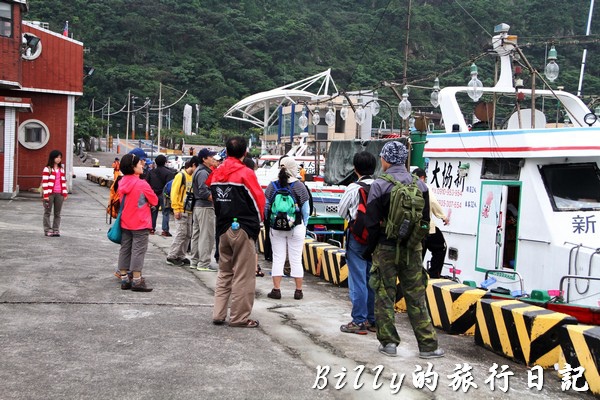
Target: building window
<point>31,46</point>
<point>33,134</point>
<point>6,20</point>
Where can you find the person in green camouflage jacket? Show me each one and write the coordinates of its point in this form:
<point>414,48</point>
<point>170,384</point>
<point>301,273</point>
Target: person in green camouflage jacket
<point>385,270</point>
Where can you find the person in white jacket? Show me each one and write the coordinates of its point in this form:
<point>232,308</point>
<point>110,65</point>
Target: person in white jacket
<point>434,241</point>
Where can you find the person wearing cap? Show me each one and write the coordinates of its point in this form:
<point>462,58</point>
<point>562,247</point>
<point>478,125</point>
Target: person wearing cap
<point>142,156</point>
<point>434,241</point>
<point>180,189</point>
<point>239,203</point>
<point>409,270</point>
<point>203,225</point>
<point>218,160</point>
<point>291,242</point>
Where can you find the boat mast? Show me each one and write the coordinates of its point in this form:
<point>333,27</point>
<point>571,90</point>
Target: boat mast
<point>587,33</point>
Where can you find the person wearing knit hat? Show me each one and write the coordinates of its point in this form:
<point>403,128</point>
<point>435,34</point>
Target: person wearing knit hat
<point>394,153</point>
<point>288,242</point>
<point>388,267</point>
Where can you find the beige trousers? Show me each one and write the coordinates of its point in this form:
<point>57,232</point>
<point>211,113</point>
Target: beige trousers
<point>236,279</point>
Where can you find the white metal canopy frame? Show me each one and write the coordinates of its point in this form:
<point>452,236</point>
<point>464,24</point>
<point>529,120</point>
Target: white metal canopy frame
<point>293,93</point>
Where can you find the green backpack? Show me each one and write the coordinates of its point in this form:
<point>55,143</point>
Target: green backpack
<point>284,212</point>
<point>405,220</point>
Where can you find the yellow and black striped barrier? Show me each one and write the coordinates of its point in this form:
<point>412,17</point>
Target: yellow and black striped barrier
<point>519,331</point>
<point>452,305</point>
<point>306,255</point>
<point>581,347</point>
<point>311,256</point>
<point>334,266</point>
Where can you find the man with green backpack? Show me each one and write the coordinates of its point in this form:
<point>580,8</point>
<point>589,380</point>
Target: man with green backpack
<point>397,219</point>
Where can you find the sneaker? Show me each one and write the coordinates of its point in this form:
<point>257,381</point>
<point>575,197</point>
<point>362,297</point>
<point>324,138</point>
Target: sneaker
<point>389,349</point>
<point>298,295</point>
<point>140,286</point>
<point>165,234</point>
<point>49,234</point>
<point>209,268</point>
<point>56,233</point>
<point>174,261</point>
<point>274,294</point>
<point>185,261</point>
<point>125,282</point>
<point>437,353</point>
<point>351,327</point>
<point>371,327</point>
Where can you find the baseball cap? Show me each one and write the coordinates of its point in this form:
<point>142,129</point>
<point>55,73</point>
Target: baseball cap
<point>141,154</point>
<point>205,153</point>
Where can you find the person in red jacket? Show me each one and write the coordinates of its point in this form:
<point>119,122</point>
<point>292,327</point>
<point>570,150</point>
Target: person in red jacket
<point>137,197</point>
<point>54,192</point>
<point>239,203</point>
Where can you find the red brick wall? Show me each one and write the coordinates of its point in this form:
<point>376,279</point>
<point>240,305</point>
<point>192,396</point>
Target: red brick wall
<point>10,57</point>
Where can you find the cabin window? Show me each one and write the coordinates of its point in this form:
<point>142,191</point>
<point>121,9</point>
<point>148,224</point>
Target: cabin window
<point>501,169</point>
<point>572,186</point>
<point>33,134</point>
<point>6,20</point>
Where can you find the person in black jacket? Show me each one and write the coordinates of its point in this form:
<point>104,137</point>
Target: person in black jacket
<point>158,178</point>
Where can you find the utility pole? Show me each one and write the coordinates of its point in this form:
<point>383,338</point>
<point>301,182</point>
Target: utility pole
<point>127,127</point>
<point>197,118</point>
<point>147,116</point>
<point>159,116</point>
<point>108,125</point>
<point>133,117</point>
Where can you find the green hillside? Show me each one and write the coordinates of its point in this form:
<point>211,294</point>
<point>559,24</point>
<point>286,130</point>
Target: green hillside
<point>223,50</point>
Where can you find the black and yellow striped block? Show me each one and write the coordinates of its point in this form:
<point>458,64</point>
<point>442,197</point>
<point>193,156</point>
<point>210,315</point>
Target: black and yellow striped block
<point>305,255</point>
<point>334,266</point>
<point>312,256</point>
<point>262,235</point>
<point>519,331</point>
<point>452,305</point>
<point>581,347</point>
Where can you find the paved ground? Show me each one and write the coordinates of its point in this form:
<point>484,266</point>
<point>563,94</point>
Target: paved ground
<point>68,331</point>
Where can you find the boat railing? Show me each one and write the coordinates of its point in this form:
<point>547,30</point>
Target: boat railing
<point>498,271</point>
<point>576,277</point>
<point>573,259</point>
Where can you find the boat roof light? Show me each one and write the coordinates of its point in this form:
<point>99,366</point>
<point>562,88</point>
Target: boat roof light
<point>501,28</point>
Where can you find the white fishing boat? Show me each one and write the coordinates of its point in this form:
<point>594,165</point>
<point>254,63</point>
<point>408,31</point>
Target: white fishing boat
<point>325,197</point>
<point>523,195</point>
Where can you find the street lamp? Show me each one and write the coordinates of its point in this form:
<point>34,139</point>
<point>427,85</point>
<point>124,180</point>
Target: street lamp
<point>551,70</point>
<point>475,89</point>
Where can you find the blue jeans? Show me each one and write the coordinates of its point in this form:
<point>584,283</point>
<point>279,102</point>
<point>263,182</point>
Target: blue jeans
<point>361,294</point>
<point>166,213</point>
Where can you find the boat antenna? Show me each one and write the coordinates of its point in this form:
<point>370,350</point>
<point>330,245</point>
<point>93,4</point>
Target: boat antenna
<point>369,41</point>
<point>470,16</point>
<point>406,44</point>
<point>587,33</point>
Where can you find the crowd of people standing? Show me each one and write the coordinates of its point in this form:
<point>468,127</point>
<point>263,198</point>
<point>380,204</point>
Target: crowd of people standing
<point>223,206</point>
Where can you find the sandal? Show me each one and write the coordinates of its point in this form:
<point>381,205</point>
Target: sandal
<point>259,271</point>
<point>248,324</point>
